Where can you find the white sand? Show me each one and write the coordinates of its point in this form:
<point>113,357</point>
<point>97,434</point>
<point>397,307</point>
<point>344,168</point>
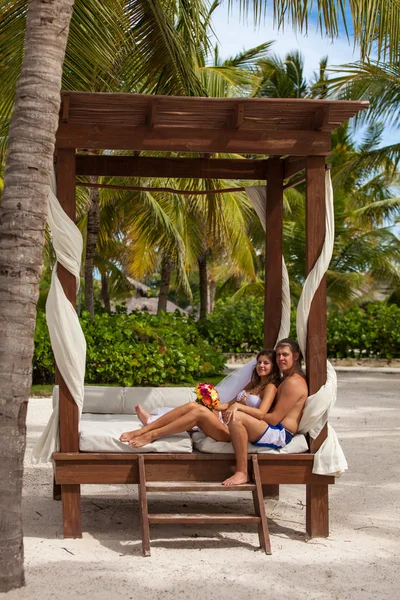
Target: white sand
<point>360,559</point>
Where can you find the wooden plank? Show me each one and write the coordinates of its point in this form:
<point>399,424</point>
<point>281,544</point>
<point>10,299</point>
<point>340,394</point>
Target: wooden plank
<point>111,457</point>
<point>273,253</point>
<point>291,474</point>
<point>203,519</point>
<point>148,166</point>
<point>103,472</point>
<point>317,509</point>
<point>71,510</point>
<point>196,486</point>
<point>143,508</point>
<point>186,139</point>
<point>259,506</point>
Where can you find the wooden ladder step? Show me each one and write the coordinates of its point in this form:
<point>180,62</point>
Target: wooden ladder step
<point>187,486</point>
<point>203,519</point>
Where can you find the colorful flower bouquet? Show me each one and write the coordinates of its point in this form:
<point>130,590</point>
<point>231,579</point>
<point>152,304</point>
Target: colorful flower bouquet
<point>207,395</point>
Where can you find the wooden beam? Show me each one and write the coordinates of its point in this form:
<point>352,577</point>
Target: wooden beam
<point>148,166</point>
<point>317,518</point>
<point>187,139</point>
<point>273,253</point>
<point>144,188</point>
<point>321,118</point>
<point>292,166</point>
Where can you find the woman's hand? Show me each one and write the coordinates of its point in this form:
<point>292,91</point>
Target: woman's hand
<point>230,413</point>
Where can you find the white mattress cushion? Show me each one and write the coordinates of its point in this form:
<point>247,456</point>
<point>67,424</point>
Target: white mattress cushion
<point>206,444</point>
<point>101,432</point>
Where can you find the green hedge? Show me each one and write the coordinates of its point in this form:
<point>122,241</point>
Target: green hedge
<point>235,327</point>
<point>373,331</point>
<point>136,349</point>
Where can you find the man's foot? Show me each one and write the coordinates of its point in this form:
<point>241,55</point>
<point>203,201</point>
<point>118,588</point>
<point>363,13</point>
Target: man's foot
<point>142,414</point>
<point>127,436</point>
<point>143,440</point>
<point>237,479</point>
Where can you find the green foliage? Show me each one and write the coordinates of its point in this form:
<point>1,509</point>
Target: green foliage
<point>356,332</point>
<point>372,331</point>
<point>43,368</point>
<point>136,349</point>
<point>237,327</point>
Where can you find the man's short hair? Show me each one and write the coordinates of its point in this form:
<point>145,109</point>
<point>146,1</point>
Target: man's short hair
<point>293,345</point>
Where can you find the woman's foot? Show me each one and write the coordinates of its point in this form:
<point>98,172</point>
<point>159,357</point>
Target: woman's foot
<point>142,414</point>
<point>239,478</point>
<point>128,436</point>
<point>143,440</point>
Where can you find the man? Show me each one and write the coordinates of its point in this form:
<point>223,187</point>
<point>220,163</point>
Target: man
<point>278,426</point>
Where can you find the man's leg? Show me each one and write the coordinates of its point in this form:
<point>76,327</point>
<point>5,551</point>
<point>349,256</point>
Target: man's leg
<point>173,415</point>
<point>243,429</point>
<point>198,415</point>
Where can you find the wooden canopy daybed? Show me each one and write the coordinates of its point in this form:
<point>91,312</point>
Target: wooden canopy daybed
<point>295,135</point>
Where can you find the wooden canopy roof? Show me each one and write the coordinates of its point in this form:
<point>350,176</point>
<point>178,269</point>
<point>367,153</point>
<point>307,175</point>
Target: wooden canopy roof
<point>263,126</point>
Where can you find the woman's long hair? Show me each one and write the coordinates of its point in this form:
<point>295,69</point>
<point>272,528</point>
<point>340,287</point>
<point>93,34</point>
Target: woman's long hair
<point>274,377</point>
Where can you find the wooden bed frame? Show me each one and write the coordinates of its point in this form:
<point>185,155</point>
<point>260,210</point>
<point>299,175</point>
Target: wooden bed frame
<point>296,135</point>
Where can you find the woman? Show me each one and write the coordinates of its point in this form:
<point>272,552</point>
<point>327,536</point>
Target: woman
<point>255,400</point>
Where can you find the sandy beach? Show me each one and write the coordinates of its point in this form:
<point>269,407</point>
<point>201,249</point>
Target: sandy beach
<point>360,559</point>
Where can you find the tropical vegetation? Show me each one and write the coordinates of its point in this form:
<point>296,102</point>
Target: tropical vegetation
<point>152,47</point>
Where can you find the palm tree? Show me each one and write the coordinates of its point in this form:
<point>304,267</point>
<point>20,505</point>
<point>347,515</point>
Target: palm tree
<point>375,24</point>
<point>379,82</point>
<point>37,64</point>
<point>22,219</point>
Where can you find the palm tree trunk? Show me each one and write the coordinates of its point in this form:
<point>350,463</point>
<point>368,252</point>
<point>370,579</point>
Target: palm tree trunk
<point>203,280</point>
<point>166,270</point>
<point>93,227</point>
<point>22,219</point>
<point>105,294</point>
<point>212,286</point>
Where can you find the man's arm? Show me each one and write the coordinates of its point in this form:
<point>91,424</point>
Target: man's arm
<point>290,393</point>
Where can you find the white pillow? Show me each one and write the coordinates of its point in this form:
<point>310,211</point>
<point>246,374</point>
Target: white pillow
<point>206,444</point>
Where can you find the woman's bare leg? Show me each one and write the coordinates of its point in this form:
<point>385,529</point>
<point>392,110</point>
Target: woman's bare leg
<point>163,420</point>
<point>198,415</point>
<point>241,429</point>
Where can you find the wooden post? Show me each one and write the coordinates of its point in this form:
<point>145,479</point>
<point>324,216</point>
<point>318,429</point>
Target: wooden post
<point>69,415</point>
<point>273,252</point>
<point>273,268</point>
<point>317,517</point>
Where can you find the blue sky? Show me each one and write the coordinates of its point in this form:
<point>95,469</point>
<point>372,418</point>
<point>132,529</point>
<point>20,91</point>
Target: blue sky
<point>234,34</point>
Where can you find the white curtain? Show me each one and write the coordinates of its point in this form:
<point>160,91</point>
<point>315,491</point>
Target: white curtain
<point>67,339</point>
